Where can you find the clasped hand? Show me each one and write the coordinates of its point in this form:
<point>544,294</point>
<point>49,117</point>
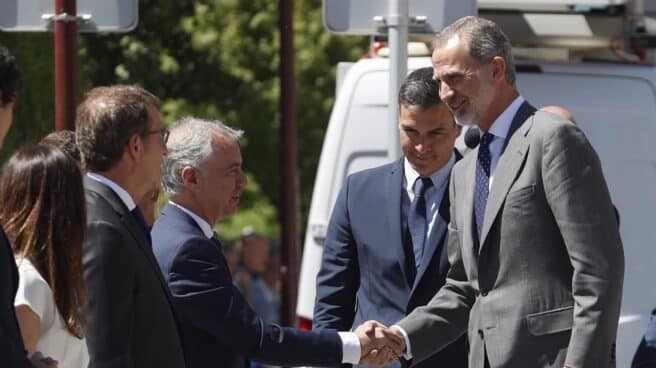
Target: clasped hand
<point>379,344</point>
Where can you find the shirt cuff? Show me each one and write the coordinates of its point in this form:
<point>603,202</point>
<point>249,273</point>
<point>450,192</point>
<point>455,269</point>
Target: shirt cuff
<point>351,350</point>
<point>408,351</point>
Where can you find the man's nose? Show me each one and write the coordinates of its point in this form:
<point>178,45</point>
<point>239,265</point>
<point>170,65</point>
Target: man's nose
<point>419,145</point>
<point>446,92</point>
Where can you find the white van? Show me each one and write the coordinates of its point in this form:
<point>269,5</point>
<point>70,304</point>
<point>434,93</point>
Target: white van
<point>615,105</point>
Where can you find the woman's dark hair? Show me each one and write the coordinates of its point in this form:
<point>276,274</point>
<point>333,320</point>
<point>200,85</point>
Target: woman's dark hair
<point>42,210</point>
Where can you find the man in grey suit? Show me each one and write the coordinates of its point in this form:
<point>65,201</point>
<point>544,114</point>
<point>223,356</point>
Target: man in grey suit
<point>536,257</point>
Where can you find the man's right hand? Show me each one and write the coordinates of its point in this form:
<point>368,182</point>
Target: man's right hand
<point>379,345</point>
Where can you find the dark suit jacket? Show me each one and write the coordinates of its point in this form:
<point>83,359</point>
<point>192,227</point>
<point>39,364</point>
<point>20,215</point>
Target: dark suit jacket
<point>12,351</point>
<point>367,270</point>
<point>131,321</point>
<point>542,287</point>
<point>220,329</point>
<point>645,356</point>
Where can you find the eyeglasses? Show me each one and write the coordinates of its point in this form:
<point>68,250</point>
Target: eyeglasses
<point>164,134</point>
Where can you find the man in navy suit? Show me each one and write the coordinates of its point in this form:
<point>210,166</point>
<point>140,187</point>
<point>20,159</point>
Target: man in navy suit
<point>203,177</point>
<point>376,264</point>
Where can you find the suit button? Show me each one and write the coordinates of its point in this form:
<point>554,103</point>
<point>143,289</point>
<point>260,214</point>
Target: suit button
<point>483,292</point>
<point>480,334</point>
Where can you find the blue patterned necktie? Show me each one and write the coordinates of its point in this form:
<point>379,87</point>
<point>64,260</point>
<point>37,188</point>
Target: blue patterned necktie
<point>482,180</point>
<point>417,223</point>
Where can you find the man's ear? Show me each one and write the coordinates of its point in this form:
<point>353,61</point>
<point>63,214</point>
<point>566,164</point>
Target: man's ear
<point>498,66</point>
<point>188,175</point>
<point>134,148</point>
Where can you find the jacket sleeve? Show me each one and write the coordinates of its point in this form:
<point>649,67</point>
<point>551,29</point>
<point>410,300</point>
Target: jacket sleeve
<point>12,350</point>
<point>205,295</point>
<point>338,279</point>
<point>109,274</point>
<point>580,202</point>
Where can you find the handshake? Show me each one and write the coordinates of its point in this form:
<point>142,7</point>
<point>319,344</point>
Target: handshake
<point>379,344</point>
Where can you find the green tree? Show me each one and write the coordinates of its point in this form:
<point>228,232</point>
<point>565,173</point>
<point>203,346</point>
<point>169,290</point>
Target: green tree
<point>34,114</point>
<point>213,59</point>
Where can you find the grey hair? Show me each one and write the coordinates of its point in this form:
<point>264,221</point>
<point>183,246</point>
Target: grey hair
<point>190,144</point>
<point>485,40</point>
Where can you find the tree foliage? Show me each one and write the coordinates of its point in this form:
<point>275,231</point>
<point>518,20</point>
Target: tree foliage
<point>34,113</point>
<point>219,59</point>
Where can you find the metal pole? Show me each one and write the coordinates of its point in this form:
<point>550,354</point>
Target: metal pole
<point>66,86</point>
<point>397,30</point>
<point>288,160</point>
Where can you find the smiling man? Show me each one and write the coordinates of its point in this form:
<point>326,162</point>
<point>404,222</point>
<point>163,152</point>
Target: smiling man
<point>202,174</point>
<point>385,252</point>
<point>536,257</point>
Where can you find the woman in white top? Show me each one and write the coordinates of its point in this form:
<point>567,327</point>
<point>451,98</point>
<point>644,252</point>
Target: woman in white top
<point>42,210</point>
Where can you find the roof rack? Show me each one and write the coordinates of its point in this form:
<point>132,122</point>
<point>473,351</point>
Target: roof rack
<point>565,30</point>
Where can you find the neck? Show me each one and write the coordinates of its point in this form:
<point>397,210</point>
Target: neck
<point>504,98</point>
<point>118,176</point>
<point>189,202</point>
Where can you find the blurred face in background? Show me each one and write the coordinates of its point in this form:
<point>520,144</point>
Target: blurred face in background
<point>255,254</point>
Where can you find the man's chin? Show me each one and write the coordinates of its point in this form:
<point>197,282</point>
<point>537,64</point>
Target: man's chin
<point>463,121</point>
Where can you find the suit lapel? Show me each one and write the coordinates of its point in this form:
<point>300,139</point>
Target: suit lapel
<point>436,238</point>
<point>130,224</point>
<point>394,190</point>
<point>511,160</point>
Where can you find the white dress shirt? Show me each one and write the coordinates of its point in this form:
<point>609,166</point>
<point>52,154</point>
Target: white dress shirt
<point>499,129</point>
<point>204,226</point>
<point>434,194</point>
<point>120,192</point>
<point>350,343</point>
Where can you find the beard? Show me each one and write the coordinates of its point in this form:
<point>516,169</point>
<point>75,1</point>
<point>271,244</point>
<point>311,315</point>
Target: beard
<point>476,106</point>
<point>461,122</point>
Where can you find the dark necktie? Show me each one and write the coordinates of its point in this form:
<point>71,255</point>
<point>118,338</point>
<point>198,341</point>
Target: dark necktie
<point>417,223</point>
<point>216,241</point>
<point>482,180</point>
<point>141,220</point>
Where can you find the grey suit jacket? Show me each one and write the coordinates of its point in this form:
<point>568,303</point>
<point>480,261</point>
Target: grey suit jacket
<point>544,289</point>
<point>131,319</point>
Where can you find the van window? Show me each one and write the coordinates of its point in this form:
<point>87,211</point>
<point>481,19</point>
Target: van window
<point>364,141</point>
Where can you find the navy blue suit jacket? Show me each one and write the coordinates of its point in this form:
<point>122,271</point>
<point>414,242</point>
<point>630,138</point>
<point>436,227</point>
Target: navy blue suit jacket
<point>12,351</point>
<point>645,357</point>
<point>367,271</point>
<point>219,328</point>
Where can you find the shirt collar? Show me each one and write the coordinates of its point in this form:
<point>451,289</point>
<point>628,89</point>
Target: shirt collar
<point>438,177</point>
<point>501,125</point>
<point>204,226</point>
<point>120,192</point>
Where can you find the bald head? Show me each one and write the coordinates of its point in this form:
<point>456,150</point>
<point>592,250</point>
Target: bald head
<point>557,110</point>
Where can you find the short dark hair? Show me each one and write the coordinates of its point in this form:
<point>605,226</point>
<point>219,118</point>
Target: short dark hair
<point>43,212</point>
<point>419,90</point>
<point>65,141</point>
<point>107,119</point>
<point>9,76</point>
